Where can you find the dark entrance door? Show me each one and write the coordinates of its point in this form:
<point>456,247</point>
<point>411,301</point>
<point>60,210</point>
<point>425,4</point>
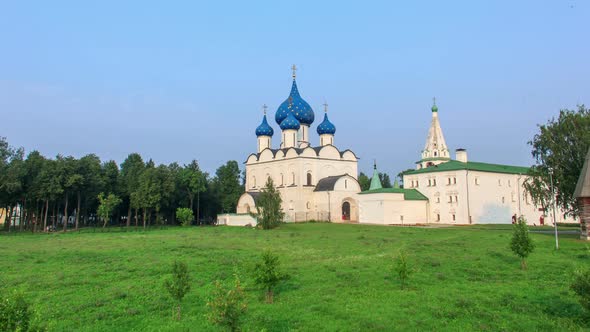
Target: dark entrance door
<point>345,211</point>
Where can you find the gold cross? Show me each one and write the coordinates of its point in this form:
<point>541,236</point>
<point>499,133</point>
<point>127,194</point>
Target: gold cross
<point>294,68</point>
<point>264,107</point>
<point>325,107</point>
<point>433,100</point>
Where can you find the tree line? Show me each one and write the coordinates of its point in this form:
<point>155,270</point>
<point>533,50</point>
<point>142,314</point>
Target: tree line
<point>40,193</point>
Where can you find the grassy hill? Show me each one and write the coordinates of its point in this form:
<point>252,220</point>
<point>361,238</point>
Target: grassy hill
<point>465,278</point>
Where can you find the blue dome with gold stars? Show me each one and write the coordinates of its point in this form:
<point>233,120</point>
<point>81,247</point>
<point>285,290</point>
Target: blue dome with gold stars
<point>326,127</point>
<point>297,106</point>
<point>264,129</point>
<point>290,122</point>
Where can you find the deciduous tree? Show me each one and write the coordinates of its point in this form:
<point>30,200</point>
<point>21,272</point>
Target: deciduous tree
<point>559,150</point>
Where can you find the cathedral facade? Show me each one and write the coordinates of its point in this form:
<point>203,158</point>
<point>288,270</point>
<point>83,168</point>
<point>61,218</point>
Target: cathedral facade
<point>316,182</point>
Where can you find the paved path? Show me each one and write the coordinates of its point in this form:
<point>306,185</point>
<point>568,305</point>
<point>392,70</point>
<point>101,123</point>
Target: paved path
<point>558,232</point>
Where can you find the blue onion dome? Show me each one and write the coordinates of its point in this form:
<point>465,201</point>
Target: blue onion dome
<point>290,122</point>
<point>264,129</point>
<point>296,105</point>
<point>326,127</point>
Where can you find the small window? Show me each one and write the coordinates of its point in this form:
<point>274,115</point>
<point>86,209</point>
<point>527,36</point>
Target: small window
<point>308,205</point>
<point>477,181</point>
<point>429,182</point>
<point>309,179</point>
<point>438,217</point>
<point>448,181</point>
<point>345,184</point>
<point>509,184</point>
<point>435,154</point>
<point>454,180</point>
<point>502,199</point>
<point>438,199</point>
<point>282,180</point>
<point>417,184</point>
<point>450,199</point>
<point>434,182</point>
<point>456,199</point>
<point>454,217</point>
<point>293,178</point>
<point>499,182</point>
<point>253,182</point>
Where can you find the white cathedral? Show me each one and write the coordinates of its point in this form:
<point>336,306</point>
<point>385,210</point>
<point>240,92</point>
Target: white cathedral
<point>320,182</point>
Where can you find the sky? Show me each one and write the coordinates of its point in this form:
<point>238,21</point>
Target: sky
<point>184,80</point>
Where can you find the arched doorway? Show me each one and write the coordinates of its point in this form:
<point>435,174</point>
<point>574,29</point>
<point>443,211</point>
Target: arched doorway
<point>346,211</point>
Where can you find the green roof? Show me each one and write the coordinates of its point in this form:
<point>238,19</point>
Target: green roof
<point>455,165</point>
<point>409,194</point>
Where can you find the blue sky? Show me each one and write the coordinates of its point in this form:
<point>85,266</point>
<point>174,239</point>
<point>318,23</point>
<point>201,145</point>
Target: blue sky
<point>178,81</point>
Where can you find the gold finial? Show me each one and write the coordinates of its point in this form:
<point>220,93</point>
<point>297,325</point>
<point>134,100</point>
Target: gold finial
<point>325,107</point>
<point>264,107</point>
<point>294,69</point>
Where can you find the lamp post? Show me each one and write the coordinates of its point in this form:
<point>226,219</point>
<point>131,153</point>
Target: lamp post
<point>553,206</point>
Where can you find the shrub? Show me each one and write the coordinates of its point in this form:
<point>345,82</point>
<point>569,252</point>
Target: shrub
<point>521,244</point>
<point>179,284</point>
<point>402,268</point>
<point>581,286</point>
<point>15,313</point>
<point>185,216</point>
<point>267,273</point>
<point>227,306</point>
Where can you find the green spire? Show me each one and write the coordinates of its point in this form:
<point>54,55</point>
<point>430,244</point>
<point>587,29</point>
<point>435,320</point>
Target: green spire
<point>396,184</point>
<point>375,181</point>
<point>434,107</point>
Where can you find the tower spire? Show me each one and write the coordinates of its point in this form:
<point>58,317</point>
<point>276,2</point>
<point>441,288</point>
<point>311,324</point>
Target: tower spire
<point>294,69</point>
<point>375,181</point>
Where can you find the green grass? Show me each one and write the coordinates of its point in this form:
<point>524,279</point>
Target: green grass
<point>465,278</point>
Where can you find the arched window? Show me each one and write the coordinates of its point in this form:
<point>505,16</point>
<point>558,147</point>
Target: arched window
<point>282,180</point>
<point>253,182</point>
<point>293,178</point>
<point>435,153</point>
<point>309,179</point>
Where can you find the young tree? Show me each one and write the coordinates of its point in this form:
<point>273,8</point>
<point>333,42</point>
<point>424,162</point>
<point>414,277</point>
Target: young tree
<point>402,268</point>
<point>179,284</point>
<point>227,306</point>
<point>267,273</point>
<point>581,286</point>
<point>559,150</point>
<point>521,244</point>
<point>268,206</point>
<point>185,216</point>
<point>107,206</point>
<point>364,181</point>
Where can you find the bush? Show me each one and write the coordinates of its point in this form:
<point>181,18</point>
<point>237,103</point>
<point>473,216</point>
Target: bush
<point>402,268</point>
<point>185,216</point>
<point>179,284</point>
<point>15,314</point>
<point>581,286</point>
<point>227,306</point>
<point>267,273</point>
<point>521,244</point>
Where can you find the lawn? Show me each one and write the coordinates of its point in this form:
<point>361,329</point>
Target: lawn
<point>465,278</point>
